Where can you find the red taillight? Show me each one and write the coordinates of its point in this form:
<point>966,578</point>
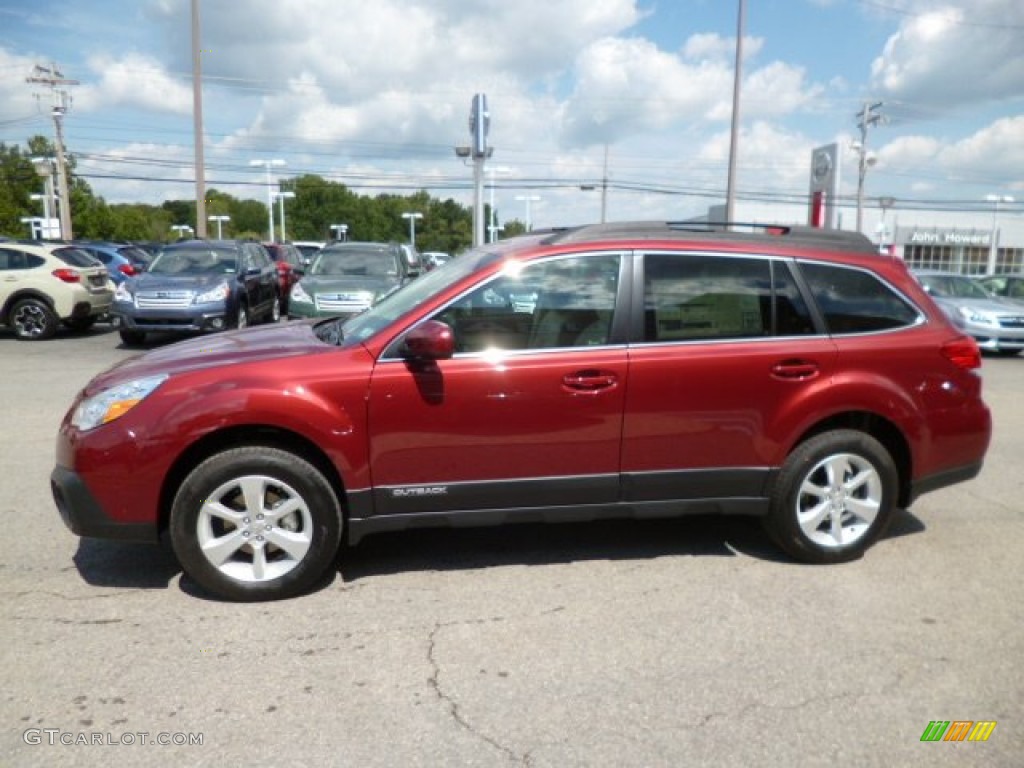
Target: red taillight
<point>128,269</point>
<point>67,275</point>
<point>963,352</point>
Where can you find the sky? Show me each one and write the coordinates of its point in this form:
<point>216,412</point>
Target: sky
<point>633,95</point>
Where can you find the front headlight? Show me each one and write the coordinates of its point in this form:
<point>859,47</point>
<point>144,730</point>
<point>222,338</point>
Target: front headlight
<point>121,293</point>
<point>111,403</point>
<point>220,293</point>
<point>299,294</point>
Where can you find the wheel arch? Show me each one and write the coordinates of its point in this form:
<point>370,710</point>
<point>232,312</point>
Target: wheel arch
<point>243,435</point>
<point>25,293</point>
<point>880,428</point>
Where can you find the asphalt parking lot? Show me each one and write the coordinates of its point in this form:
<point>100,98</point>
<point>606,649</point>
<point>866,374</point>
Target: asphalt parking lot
<point>667,643</point>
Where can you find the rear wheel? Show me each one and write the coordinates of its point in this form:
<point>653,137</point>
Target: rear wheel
<point>256,523</point>
<point>833,498</point>
<point>33,320</point>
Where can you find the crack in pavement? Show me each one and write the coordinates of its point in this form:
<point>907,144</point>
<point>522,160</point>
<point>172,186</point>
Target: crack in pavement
<point>434,681</point>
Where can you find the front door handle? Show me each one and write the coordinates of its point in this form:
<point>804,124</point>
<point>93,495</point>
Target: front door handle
<point>590,380</point>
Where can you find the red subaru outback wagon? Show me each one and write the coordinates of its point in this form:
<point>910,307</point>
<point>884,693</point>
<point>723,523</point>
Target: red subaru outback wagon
<point>635,370</point>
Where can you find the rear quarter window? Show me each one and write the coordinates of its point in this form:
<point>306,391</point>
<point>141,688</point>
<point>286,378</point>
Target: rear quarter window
<point>76,257</point>
<point>856,301</point>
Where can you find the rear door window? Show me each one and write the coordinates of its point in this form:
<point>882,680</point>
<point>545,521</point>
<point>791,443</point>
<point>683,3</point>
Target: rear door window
<point>700,297</point>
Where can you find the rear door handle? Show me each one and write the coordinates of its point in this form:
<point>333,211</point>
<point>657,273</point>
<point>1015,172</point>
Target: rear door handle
<point>798,370</point>
<point>589,380</point>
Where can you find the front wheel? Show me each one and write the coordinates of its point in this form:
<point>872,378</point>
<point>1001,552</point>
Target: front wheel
<point>833,498</point>
<point>132,338</point>
<point>274,316</point>
<point>256,523</point>
<point>242,316</point>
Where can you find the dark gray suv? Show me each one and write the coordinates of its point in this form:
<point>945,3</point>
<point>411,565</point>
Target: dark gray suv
<point>199,285</point>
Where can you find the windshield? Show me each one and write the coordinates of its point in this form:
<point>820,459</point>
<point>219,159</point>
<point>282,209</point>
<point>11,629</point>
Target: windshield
<point>199,260</point>
<point>394,305</point>
<point>953,286</point>
<point>371,262</point>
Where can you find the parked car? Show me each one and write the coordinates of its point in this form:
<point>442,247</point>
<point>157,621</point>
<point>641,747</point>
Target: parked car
<point>199,285</point>
<point>659,369</point>
<point>996,324</point>
<point>346,278</point>
<point>309,249</point>
<point>122,261</point>
<point>434,259</point>
<point>44,285</point>
<point>287,258</point>
<point>1006,286</point>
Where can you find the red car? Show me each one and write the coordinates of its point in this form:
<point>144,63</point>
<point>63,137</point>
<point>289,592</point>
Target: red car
<point>286,258</point>
<point>633,370</point>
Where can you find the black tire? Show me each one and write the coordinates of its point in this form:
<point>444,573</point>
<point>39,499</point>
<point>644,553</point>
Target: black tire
<point>1008,352</point>
<point>296,504</point>
<point>274,315</point>
<point>839,521</point>
<point>241,316</point>
<point>132,338</point>
<point>33,320</point>
<point>80,324</point>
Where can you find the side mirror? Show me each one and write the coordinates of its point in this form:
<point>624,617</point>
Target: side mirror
<point>432,340</point>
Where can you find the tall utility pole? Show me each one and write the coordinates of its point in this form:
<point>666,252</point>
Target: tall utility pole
<point>730,184</point>
<point>867,117</point>
<point>52,77</point>
<point>197,124</point>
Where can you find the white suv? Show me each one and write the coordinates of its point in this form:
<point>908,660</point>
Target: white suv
<point>45,284</point>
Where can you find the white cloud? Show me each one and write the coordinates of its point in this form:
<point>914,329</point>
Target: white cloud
<point>134,80</point>
<point>701,47</point>
<point>945,54</point>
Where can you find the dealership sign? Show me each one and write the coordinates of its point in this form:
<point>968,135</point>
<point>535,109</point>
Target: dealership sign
<point>951,237</point>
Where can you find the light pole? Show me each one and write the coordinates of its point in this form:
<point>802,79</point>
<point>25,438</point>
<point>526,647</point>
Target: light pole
<point>492,227</point>
<point>281,197</point>
<point>412,216</point>
<point>885,203</point>
<point>181,229</point>
<point>220,220</point>
<point>730,183</point>
<point>993,246</point>
<point>528,199</point>
<point>340,231</point>
<point>268,164</point>
<point>44,167</point>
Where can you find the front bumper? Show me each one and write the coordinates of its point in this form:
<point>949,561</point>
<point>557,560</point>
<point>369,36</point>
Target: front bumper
<point>200,317</point>
<point>84,516</point>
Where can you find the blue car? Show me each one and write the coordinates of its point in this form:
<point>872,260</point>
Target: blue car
<point>121,260</point>
<point>194,286</point>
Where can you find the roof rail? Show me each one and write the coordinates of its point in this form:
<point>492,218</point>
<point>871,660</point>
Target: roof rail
<point>716,230</point>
